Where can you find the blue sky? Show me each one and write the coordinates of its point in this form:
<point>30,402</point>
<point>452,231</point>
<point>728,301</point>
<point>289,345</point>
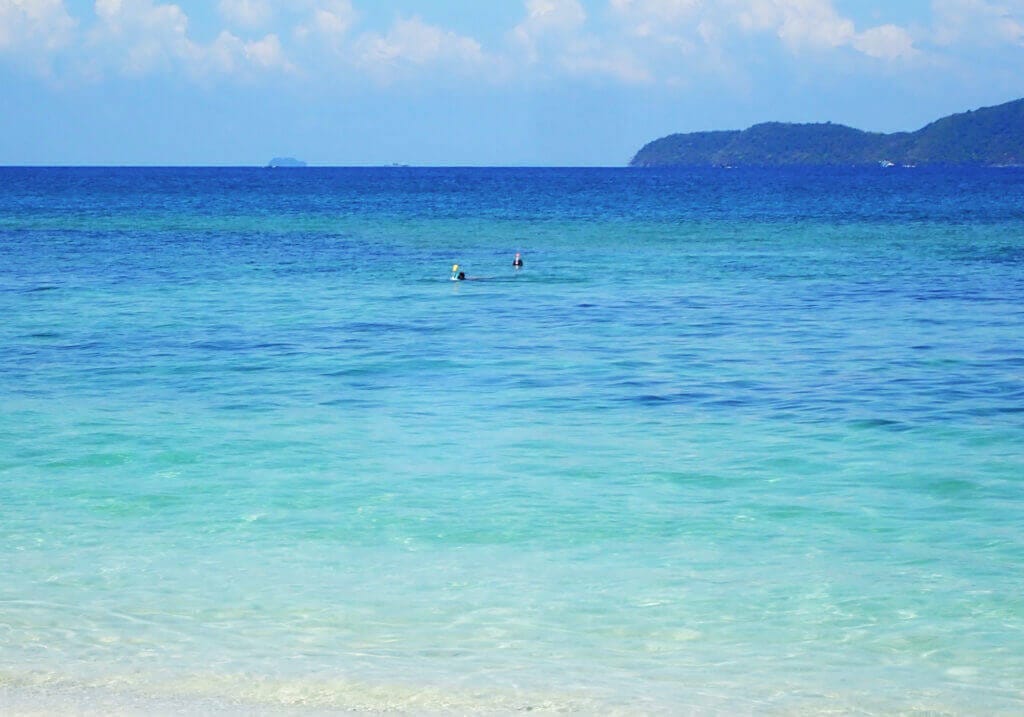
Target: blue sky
<point>476,82</point>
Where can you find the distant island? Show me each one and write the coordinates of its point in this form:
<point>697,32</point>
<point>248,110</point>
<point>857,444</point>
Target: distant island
<point>987,137</point>
<point>285,162</point>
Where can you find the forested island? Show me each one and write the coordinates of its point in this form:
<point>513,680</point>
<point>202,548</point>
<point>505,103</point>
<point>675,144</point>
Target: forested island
<point>289,162</point>
<point>990,137</point>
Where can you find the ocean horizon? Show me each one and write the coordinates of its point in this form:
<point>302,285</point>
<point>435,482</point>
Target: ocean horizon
<point>731,441</point>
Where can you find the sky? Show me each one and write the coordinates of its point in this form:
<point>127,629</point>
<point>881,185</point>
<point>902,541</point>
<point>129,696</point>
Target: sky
<point>476,82</point>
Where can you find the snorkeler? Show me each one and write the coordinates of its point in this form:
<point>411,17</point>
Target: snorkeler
<point>518,261</point>
<point>456,274</point>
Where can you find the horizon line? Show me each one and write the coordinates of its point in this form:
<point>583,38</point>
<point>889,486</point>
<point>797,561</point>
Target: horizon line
<point>314,166</point>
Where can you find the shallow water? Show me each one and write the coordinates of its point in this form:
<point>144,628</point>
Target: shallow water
<point>741,441</point>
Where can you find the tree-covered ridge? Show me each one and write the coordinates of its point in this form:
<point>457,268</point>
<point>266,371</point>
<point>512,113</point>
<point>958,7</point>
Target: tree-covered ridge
<point>991,136</point>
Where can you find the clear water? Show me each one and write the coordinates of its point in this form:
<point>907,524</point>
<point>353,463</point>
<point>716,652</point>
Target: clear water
<point>741,441</point>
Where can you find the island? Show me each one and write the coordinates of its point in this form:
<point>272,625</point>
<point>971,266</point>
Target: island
<point>289,162</point>
<point>986,137</point>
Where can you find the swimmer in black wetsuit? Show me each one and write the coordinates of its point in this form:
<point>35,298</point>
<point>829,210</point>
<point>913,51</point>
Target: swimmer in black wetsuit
<point>456,274</point>
<point>518,261</point>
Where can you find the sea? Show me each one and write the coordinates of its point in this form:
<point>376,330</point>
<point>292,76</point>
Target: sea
<point>741,441</point>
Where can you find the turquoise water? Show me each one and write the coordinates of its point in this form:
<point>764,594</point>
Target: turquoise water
<point>729,442</point>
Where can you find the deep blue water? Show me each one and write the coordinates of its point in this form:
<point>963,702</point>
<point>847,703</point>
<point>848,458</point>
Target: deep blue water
<point>737,441</point>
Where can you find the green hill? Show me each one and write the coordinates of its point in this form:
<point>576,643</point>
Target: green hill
<point>991,136</point>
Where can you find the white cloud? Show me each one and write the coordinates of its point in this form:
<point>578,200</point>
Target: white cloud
<point>649,15</point>
<point>886,42</point>
<point>34,25</point>
<point>555,39</point>
<point>267,54</point>
<point>812,23</point>
<point>625,41</point>
<point>329,20</point>
<point>246,13</point>
<point>141,36</point>
<point>816,24</point>
<point>412,41</point>
<point>146,35</point>
<point>797,23</point>
<point>668,10</point>
<point>222,56</point>
<point>978,22</point>
<point>694,25</point>
<point>545,17</point>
